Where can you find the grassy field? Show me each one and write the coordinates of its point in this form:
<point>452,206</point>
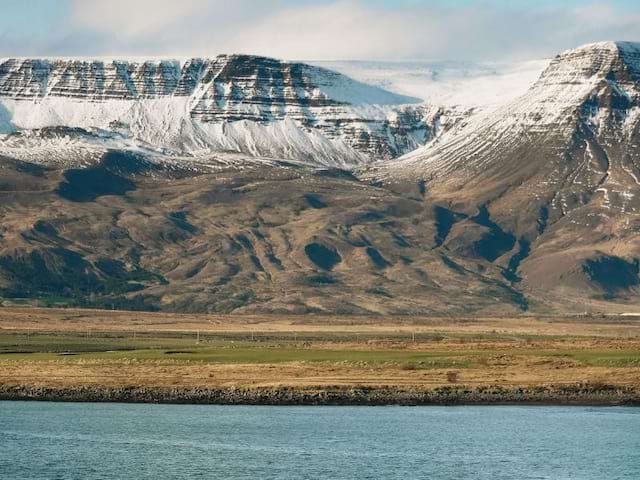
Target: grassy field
<point>70,348</point>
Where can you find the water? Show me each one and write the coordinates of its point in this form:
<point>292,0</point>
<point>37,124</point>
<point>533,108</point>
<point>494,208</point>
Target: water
<point>98,441</point>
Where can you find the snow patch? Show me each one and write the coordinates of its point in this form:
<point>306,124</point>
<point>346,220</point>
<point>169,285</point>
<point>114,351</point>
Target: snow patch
<point>451,84</point>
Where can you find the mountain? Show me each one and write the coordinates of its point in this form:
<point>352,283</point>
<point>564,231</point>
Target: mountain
<point>532,205</point>
<point>547,186</point>
<point>230,103</point>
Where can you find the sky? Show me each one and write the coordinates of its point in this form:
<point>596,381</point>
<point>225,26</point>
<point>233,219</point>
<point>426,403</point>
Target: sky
<point>444,30</point>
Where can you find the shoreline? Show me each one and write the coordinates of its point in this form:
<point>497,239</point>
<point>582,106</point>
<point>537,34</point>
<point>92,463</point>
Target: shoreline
<point>458,395</point>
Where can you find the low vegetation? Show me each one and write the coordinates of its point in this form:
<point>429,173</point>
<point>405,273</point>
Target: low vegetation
<point>65,348</point>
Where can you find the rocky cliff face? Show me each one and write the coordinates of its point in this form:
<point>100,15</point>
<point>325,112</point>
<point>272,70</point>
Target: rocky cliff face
<point>231,102</point>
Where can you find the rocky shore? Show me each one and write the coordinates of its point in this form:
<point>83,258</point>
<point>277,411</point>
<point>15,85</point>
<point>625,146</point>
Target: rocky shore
<point>577,394</point>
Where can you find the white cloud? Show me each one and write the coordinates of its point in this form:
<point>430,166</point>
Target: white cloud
<point>133,17</point>
<point>354,29</point>
<point>338,29</point>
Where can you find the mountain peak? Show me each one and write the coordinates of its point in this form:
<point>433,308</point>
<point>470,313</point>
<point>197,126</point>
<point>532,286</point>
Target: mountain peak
<point>594,61</point>
<point>613,46</point>
<point>577,126</point>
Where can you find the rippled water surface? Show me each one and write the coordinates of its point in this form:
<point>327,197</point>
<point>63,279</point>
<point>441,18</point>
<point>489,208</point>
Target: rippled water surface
<point>99,441</point>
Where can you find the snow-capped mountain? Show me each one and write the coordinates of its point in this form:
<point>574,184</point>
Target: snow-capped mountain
<point>558,168</point>
<point>254,105</point>
<point>578,122</point>
<point>533,203</point>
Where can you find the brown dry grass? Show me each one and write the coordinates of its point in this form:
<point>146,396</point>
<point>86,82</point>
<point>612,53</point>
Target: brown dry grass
<point>78,320</point>
<point>494,351</point>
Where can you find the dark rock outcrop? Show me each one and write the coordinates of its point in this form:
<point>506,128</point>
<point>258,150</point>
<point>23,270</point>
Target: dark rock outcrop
<point>578,394</point>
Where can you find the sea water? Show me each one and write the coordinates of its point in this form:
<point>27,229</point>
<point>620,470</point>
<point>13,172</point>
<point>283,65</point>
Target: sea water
<point>104,441</point>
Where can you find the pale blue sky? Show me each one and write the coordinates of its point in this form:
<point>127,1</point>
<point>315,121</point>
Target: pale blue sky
<point>21,17</point>
<point>314,29</point>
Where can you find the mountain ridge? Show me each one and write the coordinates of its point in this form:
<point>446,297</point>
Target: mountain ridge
<point>166,77</point>
<point>188,108</point>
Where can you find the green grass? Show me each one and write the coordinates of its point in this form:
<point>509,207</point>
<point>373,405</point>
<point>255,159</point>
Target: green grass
<point>183,348</point>
<point>613,358</point>
<point>43,343</point>
<point>240,354</point>
<point>100,341</point>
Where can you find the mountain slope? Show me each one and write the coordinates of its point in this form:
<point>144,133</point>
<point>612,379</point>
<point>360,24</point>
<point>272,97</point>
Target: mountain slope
<point>557,169</point>
<point>240,103</point>
<point>131,234</point>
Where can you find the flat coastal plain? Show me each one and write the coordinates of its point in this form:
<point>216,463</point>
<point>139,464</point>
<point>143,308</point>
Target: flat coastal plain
<point>75,355</point>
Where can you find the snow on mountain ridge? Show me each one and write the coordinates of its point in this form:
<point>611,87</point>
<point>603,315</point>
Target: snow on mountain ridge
<point>548,107</point>
<point>612,45</point>
<point>459,85</point>
<point>249,104</point>
<point>100,80</point>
